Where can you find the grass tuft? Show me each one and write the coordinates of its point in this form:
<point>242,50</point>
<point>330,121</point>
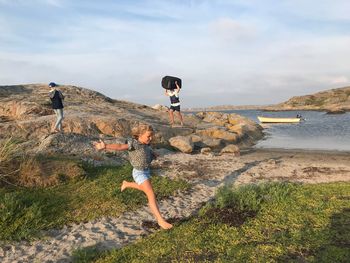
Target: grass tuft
<point>8,152</point>
<point>87,254</point>
<point>251,197</point>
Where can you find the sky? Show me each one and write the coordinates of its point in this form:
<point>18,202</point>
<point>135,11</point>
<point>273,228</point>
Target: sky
<point>227,52</point>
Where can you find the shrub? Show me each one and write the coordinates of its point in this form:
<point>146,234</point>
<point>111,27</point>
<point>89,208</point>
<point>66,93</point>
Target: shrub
<point>251,197</point>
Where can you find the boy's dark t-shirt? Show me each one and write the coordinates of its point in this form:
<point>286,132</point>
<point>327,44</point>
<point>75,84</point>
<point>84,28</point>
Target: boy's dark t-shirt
<point>56,100</point>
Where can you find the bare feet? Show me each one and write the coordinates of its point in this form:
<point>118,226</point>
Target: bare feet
<point>165,225</point>
<point>124,184</point>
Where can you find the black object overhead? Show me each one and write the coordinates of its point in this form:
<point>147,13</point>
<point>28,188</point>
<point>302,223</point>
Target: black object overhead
<point>168,82</point>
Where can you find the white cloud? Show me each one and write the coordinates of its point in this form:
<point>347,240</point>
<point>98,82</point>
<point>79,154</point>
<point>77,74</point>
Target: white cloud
<point>340,80</point>
<point>232,30</point>
<point>322,10</point>
<point>57,3</point>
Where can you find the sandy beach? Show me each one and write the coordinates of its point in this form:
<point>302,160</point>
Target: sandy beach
<point>207,173</point>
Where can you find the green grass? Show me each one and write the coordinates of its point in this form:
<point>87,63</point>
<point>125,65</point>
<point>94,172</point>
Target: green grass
<point>25,212</point>
<point>281,222</point>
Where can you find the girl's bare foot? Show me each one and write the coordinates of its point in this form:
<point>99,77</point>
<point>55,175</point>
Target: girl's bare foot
<point>165,225</point>
<point>122,188</point>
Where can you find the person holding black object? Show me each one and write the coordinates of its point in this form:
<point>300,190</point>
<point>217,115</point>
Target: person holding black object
<point>56,97</point>
<point>174,103</point>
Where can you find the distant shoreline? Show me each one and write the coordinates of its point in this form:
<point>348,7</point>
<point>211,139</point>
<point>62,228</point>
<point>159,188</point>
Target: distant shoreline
<point>222,108</point>
<point>297,150</point>
<point>254,108</point>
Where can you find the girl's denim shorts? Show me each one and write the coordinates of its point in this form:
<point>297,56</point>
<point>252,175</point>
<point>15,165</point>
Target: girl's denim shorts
<point>141,175</point>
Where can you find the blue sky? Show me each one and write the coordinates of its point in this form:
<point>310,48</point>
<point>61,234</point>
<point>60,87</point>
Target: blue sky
<point>227,52</point>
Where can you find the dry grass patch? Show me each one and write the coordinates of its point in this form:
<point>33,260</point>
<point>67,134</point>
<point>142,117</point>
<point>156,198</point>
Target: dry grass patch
<point>8,153</point>
<point>17,169</point>
<point>34,172</point>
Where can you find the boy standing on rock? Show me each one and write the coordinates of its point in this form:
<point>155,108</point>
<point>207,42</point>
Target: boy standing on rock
<point>174,103</point>
<point>56,97</point>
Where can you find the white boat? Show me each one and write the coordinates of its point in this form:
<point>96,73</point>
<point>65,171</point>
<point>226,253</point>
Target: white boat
<point>278,120</point>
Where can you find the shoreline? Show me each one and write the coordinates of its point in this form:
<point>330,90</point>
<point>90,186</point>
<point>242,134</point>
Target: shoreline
<point>310,151</point>
<point>257,109</point>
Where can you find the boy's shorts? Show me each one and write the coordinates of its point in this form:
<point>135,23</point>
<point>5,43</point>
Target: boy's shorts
<point>175,108</point>
<point>141,175</point>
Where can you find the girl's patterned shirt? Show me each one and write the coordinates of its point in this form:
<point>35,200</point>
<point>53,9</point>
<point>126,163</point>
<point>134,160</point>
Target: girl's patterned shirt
<point>140,155</point>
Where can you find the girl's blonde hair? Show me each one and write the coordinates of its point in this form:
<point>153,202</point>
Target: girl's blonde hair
<point>140,129</point>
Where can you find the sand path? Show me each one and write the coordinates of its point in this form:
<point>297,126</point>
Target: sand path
<point>207,173</point>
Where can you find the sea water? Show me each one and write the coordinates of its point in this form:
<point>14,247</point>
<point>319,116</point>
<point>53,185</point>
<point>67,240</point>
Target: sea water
<point>319,131</point>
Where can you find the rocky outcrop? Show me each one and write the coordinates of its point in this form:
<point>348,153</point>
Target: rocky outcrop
<point>218,133</point>
<point>325,101</point>
<point>335,111</point>
<point>328,100</point>
<point>160,107</point>
<point>22,110</point>
<point>235,128</point>
<point>25,113</point>
<point>219,130</point>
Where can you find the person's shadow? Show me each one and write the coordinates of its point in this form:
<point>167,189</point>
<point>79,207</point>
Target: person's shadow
<point>335,247</point>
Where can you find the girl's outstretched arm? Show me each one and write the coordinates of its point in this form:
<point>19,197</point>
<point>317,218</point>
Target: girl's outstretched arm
<point>101,145</point>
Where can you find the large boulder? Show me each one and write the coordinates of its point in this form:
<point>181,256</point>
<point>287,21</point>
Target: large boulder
<point>246,130</point>
<point>206,150</point>
<point>233,149</point>
<point>237,129</point>
<point>217,118</point>
<point>160,107</point>
<point>65,144</point>
<point>196,139</point>
<point>183,143</point>
<point>218,133</point>
<point>212,142</point>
